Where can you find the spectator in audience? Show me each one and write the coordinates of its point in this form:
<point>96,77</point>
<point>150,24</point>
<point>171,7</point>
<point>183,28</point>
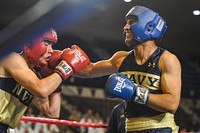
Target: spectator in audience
<point>20,128</point>
<point>98,120</point>
<point>53,128</point>
<point>87,118</point>
<point>74,116</point>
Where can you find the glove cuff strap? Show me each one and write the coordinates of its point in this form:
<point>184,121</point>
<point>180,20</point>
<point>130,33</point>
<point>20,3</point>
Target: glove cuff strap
<point>142,95</point>
<point>64,69</point>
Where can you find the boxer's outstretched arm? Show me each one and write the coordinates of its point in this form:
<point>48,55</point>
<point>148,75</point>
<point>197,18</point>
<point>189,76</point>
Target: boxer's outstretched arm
<point>103,67</point>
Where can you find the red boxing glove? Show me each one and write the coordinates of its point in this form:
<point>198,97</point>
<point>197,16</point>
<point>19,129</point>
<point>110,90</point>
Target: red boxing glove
<point>76,57</point>
<point>46,71</point>
<point>55,59</point>
<point>52,63</point>
<point>73,60</point>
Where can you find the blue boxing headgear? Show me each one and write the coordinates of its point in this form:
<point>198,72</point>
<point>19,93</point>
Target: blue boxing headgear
<point>149,25</point>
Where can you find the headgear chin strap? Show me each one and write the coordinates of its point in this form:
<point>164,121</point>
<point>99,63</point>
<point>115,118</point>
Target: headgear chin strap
<point>37,48</point>
<point>149,25</point>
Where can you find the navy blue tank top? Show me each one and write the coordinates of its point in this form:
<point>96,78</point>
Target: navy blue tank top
<point>146,75</point>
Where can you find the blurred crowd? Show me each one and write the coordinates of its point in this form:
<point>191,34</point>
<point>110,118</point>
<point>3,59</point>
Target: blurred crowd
<point>188,119</point>
<point>75,115</point>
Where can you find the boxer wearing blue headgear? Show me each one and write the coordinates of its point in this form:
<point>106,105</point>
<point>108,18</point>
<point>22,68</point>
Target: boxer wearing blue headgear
<point>147,77</point>
<point>148,25</point>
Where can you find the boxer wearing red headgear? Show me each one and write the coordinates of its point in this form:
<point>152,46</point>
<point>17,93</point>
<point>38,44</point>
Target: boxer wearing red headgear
<point>39,46</point>
<point>21,83</point>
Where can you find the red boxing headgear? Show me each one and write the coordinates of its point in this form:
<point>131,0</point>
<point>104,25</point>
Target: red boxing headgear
<point>37,48</point>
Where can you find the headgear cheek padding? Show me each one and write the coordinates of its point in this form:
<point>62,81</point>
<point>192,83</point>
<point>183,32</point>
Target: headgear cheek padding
<point>37,48</point>
<point>149,25</point>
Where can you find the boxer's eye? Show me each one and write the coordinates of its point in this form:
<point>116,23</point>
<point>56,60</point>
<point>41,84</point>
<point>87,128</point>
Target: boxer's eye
<point>48,42</point>
<point>132,20</point>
